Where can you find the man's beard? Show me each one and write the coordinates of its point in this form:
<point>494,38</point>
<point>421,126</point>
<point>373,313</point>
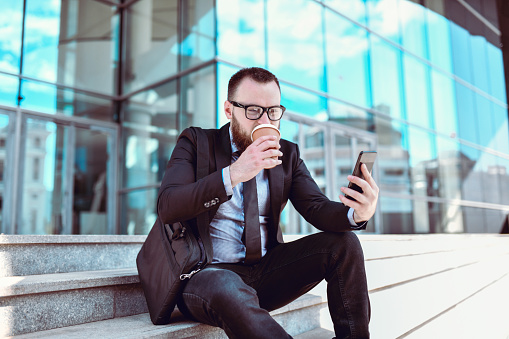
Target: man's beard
<point>240,137</point>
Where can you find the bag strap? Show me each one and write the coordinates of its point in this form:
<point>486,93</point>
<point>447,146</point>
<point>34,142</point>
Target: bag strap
<point>202,170</point>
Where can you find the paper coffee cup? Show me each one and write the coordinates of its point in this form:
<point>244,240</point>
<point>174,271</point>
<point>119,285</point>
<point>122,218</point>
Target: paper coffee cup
<point>265,129</point>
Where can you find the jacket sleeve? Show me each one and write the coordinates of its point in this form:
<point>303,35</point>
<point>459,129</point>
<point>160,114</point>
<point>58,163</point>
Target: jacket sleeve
<point>181,197</point>
<point>312,204</point>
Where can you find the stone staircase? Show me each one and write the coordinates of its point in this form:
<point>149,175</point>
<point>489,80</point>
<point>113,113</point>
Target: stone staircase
<point>88,286</point>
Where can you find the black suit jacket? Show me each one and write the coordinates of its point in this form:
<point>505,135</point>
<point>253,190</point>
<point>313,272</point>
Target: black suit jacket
<point>182,198</point>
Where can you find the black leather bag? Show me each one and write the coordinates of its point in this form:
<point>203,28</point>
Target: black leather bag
<point>171,254</point>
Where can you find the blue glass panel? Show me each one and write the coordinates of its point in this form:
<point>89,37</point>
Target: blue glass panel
<point>485,123</point>
<point>449,165</point>
<point>467,118</point>
<point>416,91</point>
<point>397,215</point>
<point>152,43</point>
<point>500,118</point>
<point>444,104</point>
<point>423,162</point>
<point>8,90</point>
<point>413,27</point>
<point>224,73</point>
<point>295,42</point>
<point>302,102</point>
<point>351,116</point>
<point>460,40</point>
<point>53,99</point>
<point>11,22</point>
<point>347,60</point>
<point>197,99</point>
<point>496,72</point>
<point>138,211</point>
<point>353,9</point>
<point>71,43</point>
<point>383,18</point>
<point>489,171</point>
<point>386,77</point>
<point>241,32</point>
<point>198,32</point>
<point>471,173</point>
<point>479,59</point>
<point>439,41</point>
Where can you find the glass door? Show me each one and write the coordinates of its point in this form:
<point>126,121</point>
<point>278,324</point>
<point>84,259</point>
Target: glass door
<point>67,179</point>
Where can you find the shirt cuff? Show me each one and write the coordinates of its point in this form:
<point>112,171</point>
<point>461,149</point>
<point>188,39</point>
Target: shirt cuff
<point>353,224</point>
<point>227,181</point>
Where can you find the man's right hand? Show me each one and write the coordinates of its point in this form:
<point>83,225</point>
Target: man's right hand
<point>259,155</point>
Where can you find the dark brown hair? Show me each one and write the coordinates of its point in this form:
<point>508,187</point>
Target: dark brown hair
<point>257,74</point>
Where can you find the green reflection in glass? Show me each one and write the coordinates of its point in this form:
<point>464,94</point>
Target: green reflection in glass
<point>385,77</point>
<point>347,60</point>
<point>444,104</point>
<point>295,42</point>
<point>52,99</point>
<point>413,27</point>
<point>416,91</point>
<point>8,90</point>
<point>68,53</point>
<point>152,43</point>
<point>198,32</point>
<point>298,101</point>
<point>439,41</point>
<point>241,32</point>
<point>11,19</point>
<point>383,18</point>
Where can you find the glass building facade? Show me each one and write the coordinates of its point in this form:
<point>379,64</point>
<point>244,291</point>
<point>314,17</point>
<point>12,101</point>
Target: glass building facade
<point>94,93</point>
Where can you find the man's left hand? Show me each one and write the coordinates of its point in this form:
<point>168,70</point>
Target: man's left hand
<point>365,206</point>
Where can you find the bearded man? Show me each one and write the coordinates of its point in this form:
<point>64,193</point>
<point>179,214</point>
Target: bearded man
<point>253,271</point>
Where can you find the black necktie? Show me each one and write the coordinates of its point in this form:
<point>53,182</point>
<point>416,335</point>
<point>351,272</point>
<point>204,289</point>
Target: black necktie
<point>252,223</point>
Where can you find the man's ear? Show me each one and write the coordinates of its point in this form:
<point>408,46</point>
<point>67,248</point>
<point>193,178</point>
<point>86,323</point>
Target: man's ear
<point>228,109</point>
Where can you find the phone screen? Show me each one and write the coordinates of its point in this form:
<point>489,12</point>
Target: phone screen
<point>367,158</point>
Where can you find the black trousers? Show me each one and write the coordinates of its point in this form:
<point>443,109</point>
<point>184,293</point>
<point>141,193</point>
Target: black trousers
<point>238,298</point>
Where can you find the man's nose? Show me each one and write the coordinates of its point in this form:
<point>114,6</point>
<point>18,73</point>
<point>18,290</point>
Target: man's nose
<point>264,119</point>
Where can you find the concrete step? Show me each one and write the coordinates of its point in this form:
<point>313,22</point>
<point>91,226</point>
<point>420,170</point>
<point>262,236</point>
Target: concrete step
<point>41,302</point>
<point>22,255</point>
<point>298,317</point>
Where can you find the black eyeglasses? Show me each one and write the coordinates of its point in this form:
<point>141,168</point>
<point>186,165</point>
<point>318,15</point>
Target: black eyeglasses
<point>254,112</point>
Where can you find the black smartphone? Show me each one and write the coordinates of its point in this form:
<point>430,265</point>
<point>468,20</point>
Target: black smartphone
<point>367,158</point>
